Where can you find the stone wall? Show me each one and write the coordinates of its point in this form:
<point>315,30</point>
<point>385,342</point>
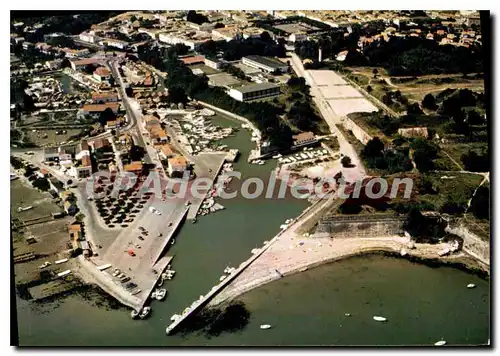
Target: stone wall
<point>360,226</point>
<point>358,132</point>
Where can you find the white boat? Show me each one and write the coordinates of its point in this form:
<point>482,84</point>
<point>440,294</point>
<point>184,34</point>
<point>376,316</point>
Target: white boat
<point>61,261</point>
<point>471,285</point>
<point>174,317</point>
<point>145,312</point>
<point>160,294</point>
<point>403,252</point>
<point>20,209</point>
<point>265,326</point>
<point>222,278</point>
<point>65,273</point>
<point>440,343</point>
<point>347,314</point>
<point>379,318</point>
<point>154,295</point>
<point>134,314</point>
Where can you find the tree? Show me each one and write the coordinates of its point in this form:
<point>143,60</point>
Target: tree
<point>429,102</point>
<point>105,116</point>
<point>219,25</point>
<point>66,63</point>
<point>346,161</point>
<point>136,153</point>
<point>265,36</point>
<point>386,99</point>
<point>413,109</point>
<point>177,95</point>
<point>474,118</point>
<point>480,204</point>
<point>129,91</point>
<point>369,89</point>
<point>373,148</point>
<point>424,152</point>
<point>80,217</point>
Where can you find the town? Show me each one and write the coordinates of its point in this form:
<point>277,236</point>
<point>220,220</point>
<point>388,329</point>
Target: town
<point>318,96</point>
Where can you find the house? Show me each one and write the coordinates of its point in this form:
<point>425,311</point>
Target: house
<point>192,60</point>
<point>84,169</point>
<point>414,132</point>
<point>114,124</point>
<point>53,65</point>
<point>158,134</point>
<point>75,230</point>
<point>28,45</point>
<point>102,74</point>
<point>165,151</point>
<point>79,64</point>
<point>133,167</point>
<point>303,139</point>
<point>213,63</point>
<point>96,109</point>
<point>297,37</point>
<point>87,37</point>
<point>101,98</point>
<point>177,164</point>
<point>101,143</point>
<point>82,149</point>
<point>70,208</point>
<point>75,53</point>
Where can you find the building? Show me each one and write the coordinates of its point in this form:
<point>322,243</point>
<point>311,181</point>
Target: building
<point>213,63</point>
<point>79,64</point>
<point>192,60</point>
<point>102,74</point>
<point>115,43</point>
<point>297,37</point>
<point>255,91</point>
<point>96,109</point>
<point>304,139</point>
<point>265,64</point>
<point>84,169</point>
<point>82,149</point>
<point>177,164</point>
<point>133,167</point>
<point>114,124</point>
<point>28,45</point>
<point>165,151</point>
<point>101,98</point>
<point>414,132</point>
<point>75,231</point>
<point>53,65</point>
<point>87,37</point>
<point>75,53</point>
<point>101,143</point>
<point>50,153</point>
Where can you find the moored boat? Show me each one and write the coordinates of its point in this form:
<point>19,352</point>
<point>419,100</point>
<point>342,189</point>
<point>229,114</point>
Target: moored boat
<point>265,326</point>
<point>134,314</point>
<point>161,293</point>
<point>379,318</point>
<point>144,312</point>
<point>471,285</point>
<point>440,343</point>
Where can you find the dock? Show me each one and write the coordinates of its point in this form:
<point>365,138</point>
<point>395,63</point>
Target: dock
<point>203,163</point>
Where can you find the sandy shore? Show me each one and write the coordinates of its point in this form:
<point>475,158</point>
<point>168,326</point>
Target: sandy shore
<point>291,254</point>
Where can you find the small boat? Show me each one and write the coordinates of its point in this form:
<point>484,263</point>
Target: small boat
<point>173,241</point>
<point>471,285</point>
<point>347,314</point>
<point>440,343</point>
<point>145,312</point>
<point>379,318</point>
<point>174,317</point>
<point>154,294</point>
<point>20,209</point>
<point>222,278</point>
<point>134,314</point>
<point>160,294</point>
<point>265,326</point>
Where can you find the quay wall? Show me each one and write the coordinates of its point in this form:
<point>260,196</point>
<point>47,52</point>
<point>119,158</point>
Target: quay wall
<point>360,226</point>
<point>357,131</point>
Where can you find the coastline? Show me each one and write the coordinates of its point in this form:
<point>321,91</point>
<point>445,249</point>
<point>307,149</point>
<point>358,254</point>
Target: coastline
<point>341,249</point>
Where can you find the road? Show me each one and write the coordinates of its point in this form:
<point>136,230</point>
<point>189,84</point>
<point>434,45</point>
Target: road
<point>357,171</point>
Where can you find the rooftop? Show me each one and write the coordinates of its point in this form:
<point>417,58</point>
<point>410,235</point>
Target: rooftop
<point>133,166</point>
<point>250,88</point>
<point>177,161</point>
<point>266,61</point>
<point>101,107</point>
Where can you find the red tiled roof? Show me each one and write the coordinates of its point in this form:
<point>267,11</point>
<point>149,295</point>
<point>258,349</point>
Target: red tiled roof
<point>103,72</point>
<point>101,107</point>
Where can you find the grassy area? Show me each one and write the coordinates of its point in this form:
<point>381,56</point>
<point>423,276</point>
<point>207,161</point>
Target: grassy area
<point>458,187</point>
<point>456,150</point>
<point>49,138</point>
<point>477,226</point>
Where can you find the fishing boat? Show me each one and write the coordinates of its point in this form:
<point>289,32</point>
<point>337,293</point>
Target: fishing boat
<point>379,318</point>
<point>154,294</point>
<point>134,314</point>
<point>265,326</point>
<point>160,294</point>
<point>174,317</point>
<point>145,312</point>
<point>20,209</point>
<point>440,343</point>
<point>471,285</point>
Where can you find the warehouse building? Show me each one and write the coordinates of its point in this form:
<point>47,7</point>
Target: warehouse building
<point>255,91</point>
<point>265,64</point>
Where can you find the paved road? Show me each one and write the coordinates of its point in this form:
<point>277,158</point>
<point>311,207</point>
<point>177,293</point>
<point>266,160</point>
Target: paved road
<point>350,173</point>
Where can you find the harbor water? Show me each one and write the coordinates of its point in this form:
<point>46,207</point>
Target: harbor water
<point>422,304</point>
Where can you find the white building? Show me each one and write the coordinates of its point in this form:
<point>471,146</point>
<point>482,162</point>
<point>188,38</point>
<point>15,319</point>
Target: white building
<point>255,91</point>
<point>87,37</point>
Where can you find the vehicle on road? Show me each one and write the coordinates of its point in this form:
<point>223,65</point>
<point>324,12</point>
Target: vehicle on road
<point>140,238</point>
<point>141,228</point>
<point>125,280</point>
<point>169,224</point>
